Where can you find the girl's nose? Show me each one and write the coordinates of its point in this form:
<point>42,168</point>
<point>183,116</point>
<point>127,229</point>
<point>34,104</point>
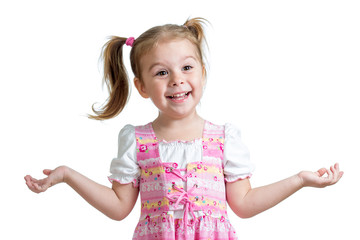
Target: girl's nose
<point>176,80</point>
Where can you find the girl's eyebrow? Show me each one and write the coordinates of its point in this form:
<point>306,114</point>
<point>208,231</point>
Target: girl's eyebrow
<point>159,63</point>
<point>153,65</point>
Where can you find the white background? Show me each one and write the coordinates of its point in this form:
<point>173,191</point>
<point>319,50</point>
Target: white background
<point>285,72</point>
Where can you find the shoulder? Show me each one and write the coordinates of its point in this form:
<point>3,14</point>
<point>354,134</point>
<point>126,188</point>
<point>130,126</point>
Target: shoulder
<point>127,132</point>
<point>128,128</point>
<point>232,131</point>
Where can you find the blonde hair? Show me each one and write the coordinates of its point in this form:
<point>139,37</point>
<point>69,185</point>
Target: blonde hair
<point>115,75</point>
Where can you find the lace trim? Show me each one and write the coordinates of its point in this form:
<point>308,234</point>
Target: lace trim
<point>180,142</point>
<point>134,181</point>
<point>234,179</point>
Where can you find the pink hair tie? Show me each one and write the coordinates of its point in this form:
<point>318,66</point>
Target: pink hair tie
<point>130,41</point>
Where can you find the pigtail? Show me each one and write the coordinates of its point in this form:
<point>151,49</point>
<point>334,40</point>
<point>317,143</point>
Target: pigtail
<point>196,27</point>
<point>116,79</point>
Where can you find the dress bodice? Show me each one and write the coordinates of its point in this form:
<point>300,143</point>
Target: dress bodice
<point>182,184</point>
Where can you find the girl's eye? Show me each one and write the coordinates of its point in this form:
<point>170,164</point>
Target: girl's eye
<point>187,68</point>
<point>161,73</point>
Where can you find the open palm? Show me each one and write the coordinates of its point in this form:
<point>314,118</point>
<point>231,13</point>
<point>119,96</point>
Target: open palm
<point>53,177</point>
<point>322,178</point>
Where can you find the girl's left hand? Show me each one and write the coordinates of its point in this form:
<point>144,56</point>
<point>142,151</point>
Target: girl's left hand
<point>317,179</point>
<point>53,177</point>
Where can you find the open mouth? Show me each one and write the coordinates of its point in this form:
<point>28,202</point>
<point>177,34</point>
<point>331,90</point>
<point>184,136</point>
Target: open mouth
<point>179,96</point>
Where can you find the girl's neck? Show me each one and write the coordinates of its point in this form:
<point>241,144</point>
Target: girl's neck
<point>172,129</point>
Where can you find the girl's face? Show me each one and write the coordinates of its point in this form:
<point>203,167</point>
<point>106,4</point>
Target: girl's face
<point>172,77</point>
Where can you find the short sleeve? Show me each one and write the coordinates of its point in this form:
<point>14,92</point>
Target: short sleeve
<point>124,169</point>
<point>237,164</point>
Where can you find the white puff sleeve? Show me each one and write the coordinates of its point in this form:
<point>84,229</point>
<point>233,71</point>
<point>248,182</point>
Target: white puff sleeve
<point>124,169</point>
<point>236,160</point>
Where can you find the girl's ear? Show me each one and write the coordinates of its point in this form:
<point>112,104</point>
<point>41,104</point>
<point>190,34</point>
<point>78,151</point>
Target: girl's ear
<point>140,87</point>
<point>203,75</point>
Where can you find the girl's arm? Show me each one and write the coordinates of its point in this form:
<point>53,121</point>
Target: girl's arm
<point>247,202</point>
<point>116,202</point>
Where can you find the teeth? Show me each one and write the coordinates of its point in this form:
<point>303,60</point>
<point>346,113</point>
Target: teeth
<point>179,95</point>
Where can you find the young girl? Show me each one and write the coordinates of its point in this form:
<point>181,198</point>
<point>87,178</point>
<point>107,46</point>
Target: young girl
<point>186,168</point>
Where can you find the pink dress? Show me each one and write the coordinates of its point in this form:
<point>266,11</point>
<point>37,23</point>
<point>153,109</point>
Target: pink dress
<point>182,201</point>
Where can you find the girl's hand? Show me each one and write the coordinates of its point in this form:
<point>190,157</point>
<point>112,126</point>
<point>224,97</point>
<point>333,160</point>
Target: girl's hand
<point>54,177</point>
<point>317,179</point>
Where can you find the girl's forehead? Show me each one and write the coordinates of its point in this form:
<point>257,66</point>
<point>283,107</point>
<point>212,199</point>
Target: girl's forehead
<point>175,44</point>
<point>167,48</point>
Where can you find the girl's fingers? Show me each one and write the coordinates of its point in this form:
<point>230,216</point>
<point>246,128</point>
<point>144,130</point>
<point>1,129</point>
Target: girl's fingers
<point>47,172</point>
<point>34,180</point>
<point>40,187</point>
<point>32,186</point>
<point>335,174</point>
<point>28,182</point>
<point>330,176</point>
<point>332,169</point>
<point>36,185</point>
<point>321,172</point>
<point>340,173</point>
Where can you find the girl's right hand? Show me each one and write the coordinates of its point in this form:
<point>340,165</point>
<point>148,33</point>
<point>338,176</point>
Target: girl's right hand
<point>53,177</point>
<point>319,179</point>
